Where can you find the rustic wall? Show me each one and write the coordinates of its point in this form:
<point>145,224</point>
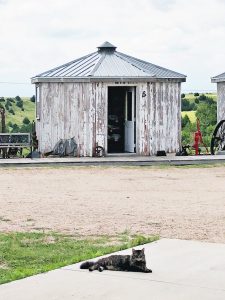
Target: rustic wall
<point>80,110</point>
<point>158,117</point>
<point>68,110</point>
<point>220,101</point>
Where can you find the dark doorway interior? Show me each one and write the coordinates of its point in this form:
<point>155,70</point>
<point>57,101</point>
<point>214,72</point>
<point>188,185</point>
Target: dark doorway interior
<point>116,118</point>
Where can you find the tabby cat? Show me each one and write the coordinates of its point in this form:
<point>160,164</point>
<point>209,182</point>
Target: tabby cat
<point>134,263</point>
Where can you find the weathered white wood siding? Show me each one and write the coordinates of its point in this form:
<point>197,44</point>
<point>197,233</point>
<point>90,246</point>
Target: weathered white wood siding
<point>158,117</point>
<point>220,101</point>
<point>80,110</point>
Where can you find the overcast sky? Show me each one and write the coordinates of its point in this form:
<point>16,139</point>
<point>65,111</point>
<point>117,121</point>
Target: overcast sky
<point>187,36</point>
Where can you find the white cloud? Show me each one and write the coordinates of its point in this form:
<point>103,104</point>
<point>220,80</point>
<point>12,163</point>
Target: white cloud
<point>185,36</point>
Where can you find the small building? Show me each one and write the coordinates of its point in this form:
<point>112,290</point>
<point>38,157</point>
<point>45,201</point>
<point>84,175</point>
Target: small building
<point>220,80</point>
<point>112,100</point>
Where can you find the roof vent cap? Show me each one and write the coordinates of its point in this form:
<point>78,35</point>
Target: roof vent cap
<point>107,47</point>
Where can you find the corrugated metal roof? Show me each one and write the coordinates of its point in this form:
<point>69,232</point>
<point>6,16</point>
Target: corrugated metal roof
<point>218,78</point>
<point>113,65</point>
<point>108,63</point>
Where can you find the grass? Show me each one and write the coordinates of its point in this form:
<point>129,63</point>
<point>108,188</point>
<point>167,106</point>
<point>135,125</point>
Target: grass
<point>191,97</point>
<point>191,115</point>
<point>29,112</point>
<point>26,254</point>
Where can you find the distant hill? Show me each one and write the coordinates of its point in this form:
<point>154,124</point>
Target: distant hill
<point>20,112</point>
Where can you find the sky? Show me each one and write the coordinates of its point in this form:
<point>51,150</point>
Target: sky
<point>184,36</point>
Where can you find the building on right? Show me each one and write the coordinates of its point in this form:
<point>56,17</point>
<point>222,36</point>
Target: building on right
<point>220,81</point>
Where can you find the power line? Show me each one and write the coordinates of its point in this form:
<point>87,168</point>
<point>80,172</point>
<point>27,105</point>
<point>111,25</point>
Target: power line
<point>10,82</point>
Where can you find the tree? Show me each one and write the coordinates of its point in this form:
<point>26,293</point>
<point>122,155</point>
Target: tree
<point>196,100</point>
<point>26,128</point>
<point>185,120</point>
<point>18,98</point>
<point>186,105</point>
<point>196,94</point>
<point>26,121</point>
<point>32,99</point>
<point>11,111</point>
<point>209,100</point>
<point>15,128</point>
<point>202,97</point>
<point>207,114</point>
<point>19,103</point>
<point>8,102</point>
<point>182,96</point>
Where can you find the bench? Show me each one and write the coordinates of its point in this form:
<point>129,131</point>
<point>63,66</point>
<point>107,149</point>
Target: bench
<point>13,143</point>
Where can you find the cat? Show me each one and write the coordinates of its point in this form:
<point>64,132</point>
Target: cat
<point>132,263</point>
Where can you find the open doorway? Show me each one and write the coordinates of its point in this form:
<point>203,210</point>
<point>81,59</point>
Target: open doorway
<point>121,119</point>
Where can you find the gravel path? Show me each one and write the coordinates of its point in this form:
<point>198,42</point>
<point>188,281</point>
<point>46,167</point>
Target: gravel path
<point>187,203</point>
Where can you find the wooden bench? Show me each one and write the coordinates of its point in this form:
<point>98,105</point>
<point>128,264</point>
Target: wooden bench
<point>13,143</point>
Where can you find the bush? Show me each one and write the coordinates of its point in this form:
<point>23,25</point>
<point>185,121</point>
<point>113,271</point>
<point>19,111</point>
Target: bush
<point>2,99</point>
<point>10,100</point>
<point>207,114</point>
<point>182,96</point>
<point>185,120</point>
<point>32,99</point>
<point>209,100</point>
<point>196,101</point>
<point>19,104</point>
<point>26,128</point>
<point>18,98</point>
<point>196,94</point>
<point>26,121</point>
<point>186,105</point>
<point>15,128</point>
<point>186,138</point>
<point>11,111</point>
<point>202,97</point>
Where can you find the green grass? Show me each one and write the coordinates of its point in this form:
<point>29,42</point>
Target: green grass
<point>26,254</point>
<point>191,115</point>
<point>191,97</point>
<point>29,112</point>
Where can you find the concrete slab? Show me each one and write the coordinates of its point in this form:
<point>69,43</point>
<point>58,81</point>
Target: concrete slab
<point>112,160</point>
<point>181,270</point>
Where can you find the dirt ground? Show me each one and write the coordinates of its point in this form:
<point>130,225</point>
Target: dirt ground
<point>187,203</point>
